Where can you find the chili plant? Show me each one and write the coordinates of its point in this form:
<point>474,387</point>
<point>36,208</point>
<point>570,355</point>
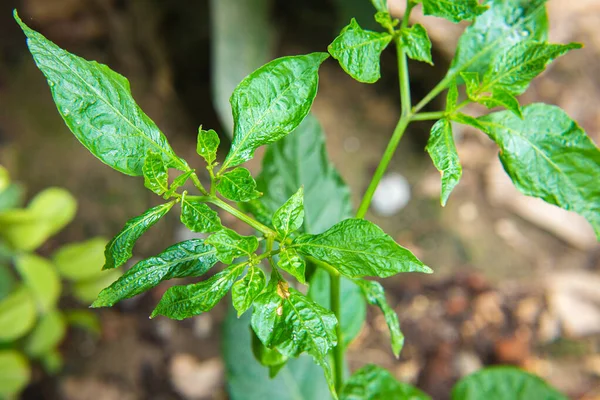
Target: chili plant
<point>546,154</point>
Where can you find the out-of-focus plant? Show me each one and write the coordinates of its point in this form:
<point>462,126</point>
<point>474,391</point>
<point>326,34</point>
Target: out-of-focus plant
<point>32,323</point>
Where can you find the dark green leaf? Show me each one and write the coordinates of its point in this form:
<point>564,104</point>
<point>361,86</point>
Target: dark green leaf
<point>453,10</point>
<point>504,383</point>
<point>208,143</point>
<point>358,51</point>
<point>156,177</point>
<point>41,278</point>
<point>290,216</point>
<point>238,185</point>
<point>375,383</point>
<point>380,5</point>
<point>185,259</point>
<point>442,150</point>
<point>199,217</point>
<point>268,357</point>
<point>375,295</point>
<point>84,319</point>
<point>230,245</point>
<point>52,361</point>
<point>180,302</point>
<point>504,24</point>
<point>83,260</point>
<point>358,248</point>
<point>47,334</point>
<point>17,314</point>
<point>247,289</point>
<point>416,43</point>
<point>271,102</point>
<point>119,249</point>
<point>291,262</point>
<point>547,155</point>
<point>97,106</point>
<point>354,310</point>
<point>177,183</point>
<point>14,373</point>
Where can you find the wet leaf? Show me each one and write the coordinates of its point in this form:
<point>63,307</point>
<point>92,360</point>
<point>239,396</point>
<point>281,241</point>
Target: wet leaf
<point>231,245</point>
<point>247,289</point>
<point>442,150</point>
<point>198,216</point>
<point>238,185</point>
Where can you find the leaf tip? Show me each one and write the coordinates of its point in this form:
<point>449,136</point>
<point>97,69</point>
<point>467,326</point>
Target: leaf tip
<point>427,270</point>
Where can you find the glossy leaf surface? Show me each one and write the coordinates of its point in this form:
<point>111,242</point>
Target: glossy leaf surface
<point>416,43</point>
<point>14,373</point>
<point>178,182</point>
<point>17,314</point>
<point>453,10</point>
<point>83,260</point>
<point>156,177</point>
<point>443,153</point>
<point>238,185</point>
<point>290,216</point>
<point>247,289</point>
<point>41,278</point>
<point>207,145</point>
<point>198,216</point>
<point>231,245</point>
<point>375,383</point>
<point>291,262</point>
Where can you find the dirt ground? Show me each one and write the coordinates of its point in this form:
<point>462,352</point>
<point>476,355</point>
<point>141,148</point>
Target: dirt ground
<point>516,281</point>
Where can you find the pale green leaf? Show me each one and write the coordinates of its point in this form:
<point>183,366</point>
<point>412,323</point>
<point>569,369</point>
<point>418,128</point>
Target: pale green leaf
<point>17,314</point>
<point>547,155</point>
<point>358,51</point>
<point>11,197</point>
<point>454,10</point>
<point>86,291</point>
<point>271,102</point>
<point>290,216</point>
<point>452,98</point>
<point>380,5</point>
<point>247,289</point>
<point>96,104</point>
<point>375,383</point>
<point>442,150</point>
<point>83,260</point>
<point>119,249</point>
<point>416,43</point>
<point>15,373</point>
<point>4,179</point>
<point>358,248</point>
<point>156,177</point>
<point>198,216</point>
<point>41,278</point>
<point>180,302</point>
<point>291,262</point>
<point>238,185</point>
<point>177,183</point>
<point>501,98</point>
<point>231,245</point>
<point>47,334</point>
<point>185,259</point>
<point>207,145</point>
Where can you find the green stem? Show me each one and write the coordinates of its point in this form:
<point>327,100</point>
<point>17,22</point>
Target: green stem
<point>338,353</point>
<point>198,184</point>
<point>241,216</point>
<point>439,88</point>
<point>428,116</point>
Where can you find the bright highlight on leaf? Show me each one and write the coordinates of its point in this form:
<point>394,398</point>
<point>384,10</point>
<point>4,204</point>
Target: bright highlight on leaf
<point>442,150</point>
<point>453,10</point>
<point>208,143</point>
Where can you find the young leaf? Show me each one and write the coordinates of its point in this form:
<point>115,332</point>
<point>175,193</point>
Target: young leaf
<point>504,383</point>
<point>271,102</point>
<point>454,10</point>
<point>504,24</point>
<point>291,262</point>
<point>47,334</point>
<point>230,245</point>
<point>17,314</point>
<point>79,261</point>
<point>119,249</point>
<point>452,98</point>
<point>247,289</point>
<point>198,216</point>
<point>289,217</point>
<point>208,143</point>
<point>15,373</point>
<point>357,248</point>
<point>472,83</point>
<point>86,291</point>
<point>380,5</point>
<point>180,302</point>
<point>268,357</point>
<point>442,150</point>
<point>177,183</point>
<point>547,155</point>
<point>41,279</point>
<point>502,98</point>
<point>238,185</point>
<point>97,106</point>
<point>416,43</point>
<point>375,295</point>
<point>185,259</point>
<point>156,177</point>
<point>358,51</point>
<point>373,382</point>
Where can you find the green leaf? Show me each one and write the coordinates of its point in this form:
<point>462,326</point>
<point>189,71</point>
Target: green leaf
<point>299,379</point>
<point>17,314</point>
<point>180,302</point>
<point>375,295</point>
<point>4,179</point>
<point>354,310</point>
<point>547,155</point>
<point>15,373</point>
<point>380,5</point>
<point>416,43</point>
<point>52,361</point>
<point>504,24</point>
<point>291,262</point>
<point>452,98</point>
<point>238,185</point>
<point>358,51</point>
<point>198,216</point>
<point>375,383</point>
<point>84,319</point>
<point>96,104</point>
<point>442,150</point>
<point>268,357</point>
<point>501,98</point>
<point>467,120</point>
<point>119,249</point>
<point>230,245</point>
<point>358,248</point>
<point>48,213</point>
<point>185,259</point>
<point>79,261</point>
<point>208,143</point>
<point>300,160</point>
<point>47,335</point>
<point>453,10</point>
<point>41,278</point>
<point>247,289</point>
<point>177,183</point>
<point>156,177</point>
<point>504,383</point>
<point>11,197</point>
<point>271,102</point>
<point>86,291</point>
<point>290,216</point>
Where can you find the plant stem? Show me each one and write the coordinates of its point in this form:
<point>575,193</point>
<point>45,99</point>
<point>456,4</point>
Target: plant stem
<point>439,88</point>
<point>428,116</point>
<point>198,184</point>
<point>241,216</point>
<point>338,352</point>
